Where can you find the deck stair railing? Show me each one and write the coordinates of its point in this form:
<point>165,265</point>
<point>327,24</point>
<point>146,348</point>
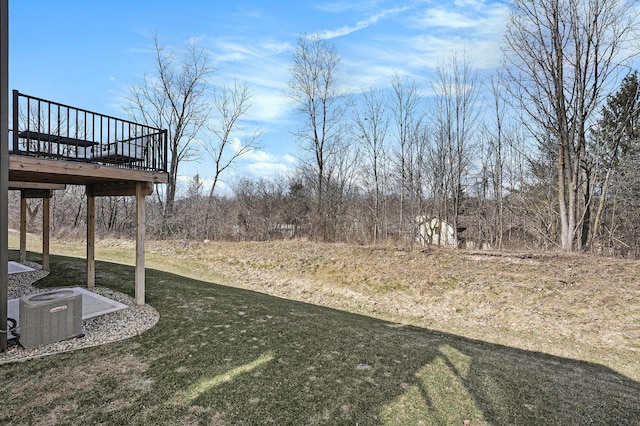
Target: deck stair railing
<point>51,130</point>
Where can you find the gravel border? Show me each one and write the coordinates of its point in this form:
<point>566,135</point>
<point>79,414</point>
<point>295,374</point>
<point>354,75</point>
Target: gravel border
<point>107,328</point>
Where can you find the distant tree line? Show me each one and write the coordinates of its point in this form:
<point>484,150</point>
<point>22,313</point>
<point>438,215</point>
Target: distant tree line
<point>543,154</point>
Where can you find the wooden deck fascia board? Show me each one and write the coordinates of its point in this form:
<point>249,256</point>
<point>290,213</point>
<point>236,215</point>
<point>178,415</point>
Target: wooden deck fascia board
<point>28,169</point>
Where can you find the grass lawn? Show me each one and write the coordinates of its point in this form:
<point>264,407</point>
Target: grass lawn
<point>226,355</point>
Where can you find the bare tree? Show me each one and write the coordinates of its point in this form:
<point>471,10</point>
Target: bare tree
<point>455,86</point>
<point>260,208</point>
<point>496,146</point>
<point>314,90</point>
<point>340,183</point>
<point>407,119</point>
<point>561,55</point>
<point>296,206</point>
<point>174,97</point>
<point>371,127</point>
<point>229,142</point>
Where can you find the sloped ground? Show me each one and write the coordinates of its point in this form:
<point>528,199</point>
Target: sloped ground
<point>568,305</point>
<point>222,355</point>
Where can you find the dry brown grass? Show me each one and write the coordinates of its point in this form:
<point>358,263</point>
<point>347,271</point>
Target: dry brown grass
<point>569,305</point>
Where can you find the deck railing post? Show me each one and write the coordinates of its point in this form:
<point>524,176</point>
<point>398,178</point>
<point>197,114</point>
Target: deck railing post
<point>166,150</point>
<point>16,109</point>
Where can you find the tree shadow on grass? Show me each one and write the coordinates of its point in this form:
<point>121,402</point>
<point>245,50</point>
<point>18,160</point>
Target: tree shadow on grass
<point>222,355</point>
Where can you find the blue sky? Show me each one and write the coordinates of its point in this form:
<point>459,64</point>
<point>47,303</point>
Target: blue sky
<point>87,53</point>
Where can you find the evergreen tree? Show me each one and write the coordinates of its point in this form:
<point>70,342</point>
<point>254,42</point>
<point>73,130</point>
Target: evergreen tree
<point>617,140</point>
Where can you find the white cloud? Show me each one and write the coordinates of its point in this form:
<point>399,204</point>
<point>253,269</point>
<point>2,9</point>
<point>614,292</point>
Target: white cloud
<point>472,28</point>
<point>288,158</point>
<point>431,51</point>
<point>268,170</point>
<point>346,30</point>
<point>258,156</point>
<point>268,105</point>
<point>260,163</point>
<point>229,57</point>
<point>255,164</point>
<point>440,17</point>
<point>226,51</point>
<point>469,19</point>
<point>276,48</point>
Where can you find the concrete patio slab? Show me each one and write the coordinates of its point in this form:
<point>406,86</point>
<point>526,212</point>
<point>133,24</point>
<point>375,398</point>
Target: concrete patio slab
<point>16,268</point>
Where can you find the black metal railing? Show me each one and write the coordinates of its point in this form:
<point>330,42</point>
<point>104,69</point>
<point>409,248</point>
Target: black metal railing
<point>51,130</point>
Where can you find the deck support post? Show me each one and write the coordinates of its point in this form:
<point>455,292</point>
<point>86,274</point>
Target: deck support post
<point>45,195</point>
<point>91,238</point>
<point>46,220</point>
<point>140,236</point>
<point>23,229</point>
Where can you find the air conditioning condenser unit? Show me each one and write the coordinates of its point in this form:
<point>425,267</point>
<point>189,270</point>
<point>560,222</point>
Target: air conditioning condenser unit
<point>50,317</point>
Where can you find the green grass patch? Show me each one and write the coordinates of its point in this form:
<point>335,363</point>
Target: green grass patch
<point>227,356</point>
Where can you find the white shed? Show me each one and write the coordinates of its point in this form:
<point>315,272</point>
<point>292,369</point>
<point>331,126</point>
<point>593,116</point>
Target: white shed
<point>436,231</point>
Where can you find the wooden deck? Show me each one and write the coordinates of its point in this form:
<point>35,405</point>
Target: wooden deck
<point>55,145</point>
